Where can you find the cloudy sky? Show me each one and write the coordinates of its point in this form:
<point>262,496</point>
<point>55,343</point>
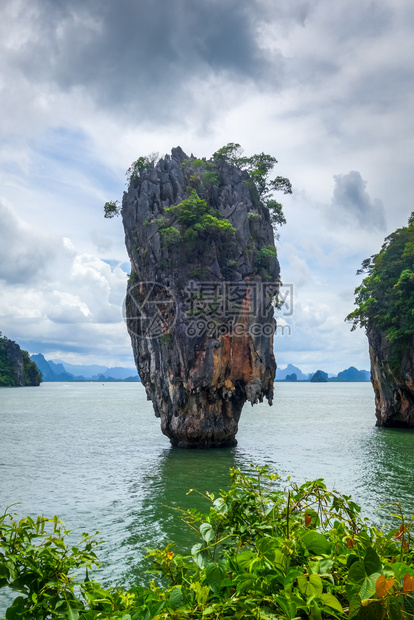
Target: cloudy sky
<point>87,86</point>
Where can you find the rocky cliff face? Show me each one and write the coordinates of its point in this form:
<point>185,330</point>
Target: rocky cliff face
<point>384,307</point>
<point>204,275</point>
<point>16,368</point>
<point>394,388</point>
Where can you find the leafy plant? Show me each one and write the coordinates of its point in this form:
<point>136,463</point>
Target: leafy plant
<point>198,224</point>
<point>276,212</point>
<point>139,166</point>
<point>254,216</point>
<point>170,236</point>
<point>111,209</point>
<point>210,179</point>
<point>202,173</point>
<point>230,153</point>
<point>259,167</point>
<point>203,176</point>
<point>264,552</point>
<point>36,562</point>
<point>265,258</point>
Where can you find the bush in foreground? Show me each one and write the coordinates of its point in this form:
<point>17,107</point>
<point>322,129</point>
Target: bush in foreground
<point>304,552</point>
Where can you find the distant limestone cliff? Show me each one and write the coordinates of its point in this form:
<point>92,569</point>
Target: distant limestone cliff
<point>49,370</point>
<point>385,302</point>
<point>350,375</point>
<point>353,375</point>
<point>16,368</point>
<point>319,377</point>
<point>203,284</point>
<point>53,371</point>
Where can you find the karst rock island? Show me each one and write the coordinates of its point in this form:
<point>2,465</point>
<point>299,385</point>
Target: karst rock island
<point>385,302</point>
<point>203,287</point>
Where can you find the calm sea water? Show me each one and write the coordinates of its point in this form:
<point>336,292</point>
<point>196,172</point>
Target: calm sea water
<point>94,455</point>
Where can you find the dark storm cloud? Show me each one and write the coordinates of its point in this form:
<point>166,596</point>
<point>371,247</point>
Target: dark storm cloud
<point>142,53</point>
<point>354,203</point>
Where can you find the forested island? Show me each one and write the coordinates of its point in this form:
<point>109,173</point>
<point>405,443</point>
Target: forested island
<point>385,308</point>
<point>293,374</point>
<point>16,367</point>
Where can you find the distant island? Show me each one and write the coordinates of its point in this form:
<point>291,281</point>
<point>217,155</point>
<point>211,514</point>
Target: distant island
<point>16,368</point>
<point>293,373</point>
<point>62,371</point>
<point>319,377</point>
<point>37,368</point>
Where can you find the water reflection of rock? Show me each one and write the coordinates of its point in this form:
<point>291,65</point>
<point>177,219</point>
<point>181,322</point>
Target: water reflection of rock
<point>329,436</point>
<point>153,521</point>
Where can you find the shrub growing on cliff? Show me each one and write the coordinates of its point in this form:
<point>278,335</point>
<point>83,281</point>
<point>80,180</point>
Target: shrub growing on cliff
<point>259,167</point>
<point>231,153</point>
<point>385,299</point>
<point>263,553</point>
<point>140,165</point>
<point>204,175</point>
<point>111,209</point>
<point>199,223</point>
<point>265,257</point>
<point>170,236</point>
<point>190,211</point>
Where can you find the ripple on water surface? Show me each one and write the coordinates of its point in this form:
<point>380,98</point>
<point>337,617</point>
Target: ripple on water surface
<point>94,454</point>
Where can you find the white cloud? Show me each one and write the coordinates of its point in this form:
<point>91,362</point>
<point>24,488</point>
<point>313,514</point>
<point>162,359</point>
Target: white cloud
<point>54,295</point>
<point>325,86</point>
<point>25,252</point>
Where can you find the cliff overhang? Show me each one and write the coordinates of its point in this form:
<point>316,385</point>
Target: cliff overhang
<point>201,295</point>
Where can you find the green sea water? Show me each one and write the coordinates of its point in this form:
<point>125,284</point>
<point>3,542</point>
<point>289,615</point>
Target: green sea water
<point>94,454</point>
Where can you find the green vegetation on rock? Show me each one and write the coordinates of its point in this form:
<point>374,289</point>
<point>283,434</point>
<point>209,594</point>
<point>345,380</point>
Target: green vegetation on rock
<point>204,175</point>
<point>385,299</point>
<point>263,553</point>
<point>170,236</point>
<point>259,167</point>
<point>140,165</point>
<point>111,209</point>
<point>16,367</point>
<point>264,258</point>
<point>198,223</point>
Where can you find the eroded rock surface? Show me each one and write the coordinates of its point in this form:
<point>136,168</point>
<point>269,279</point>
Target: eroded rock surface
<point>394,388</point>
<point>199,302</point>
<point>384,307</point>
